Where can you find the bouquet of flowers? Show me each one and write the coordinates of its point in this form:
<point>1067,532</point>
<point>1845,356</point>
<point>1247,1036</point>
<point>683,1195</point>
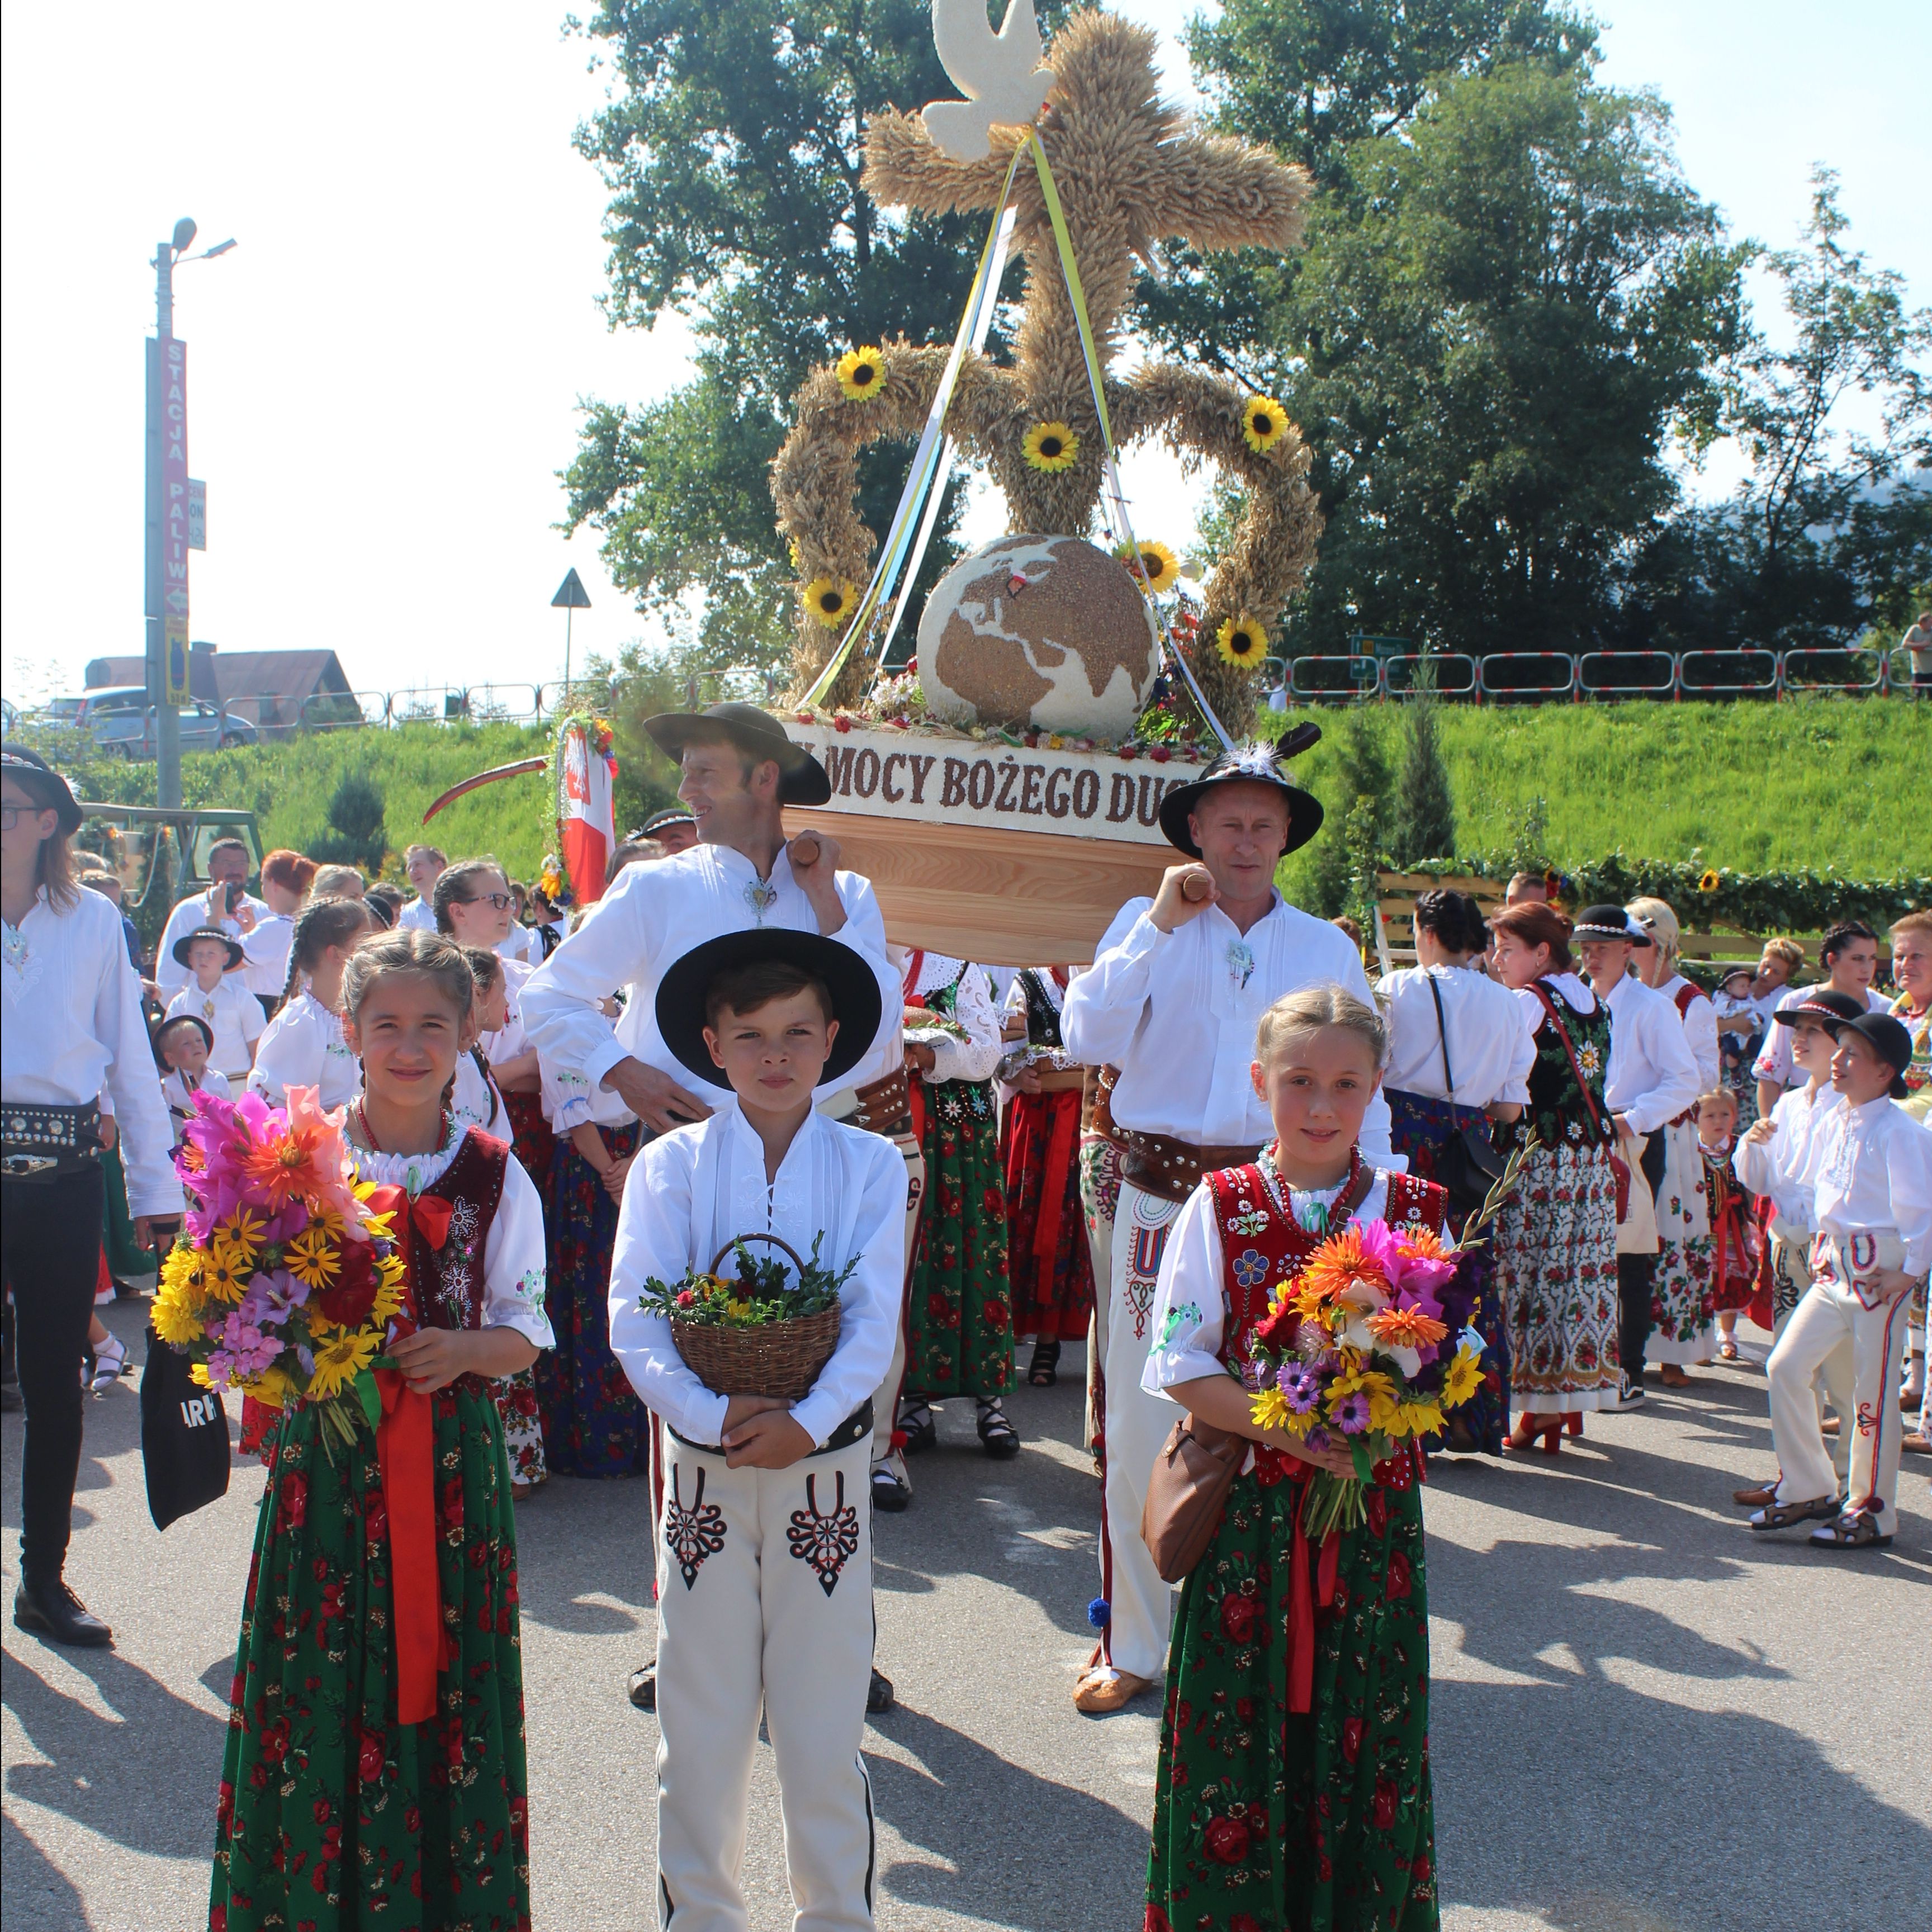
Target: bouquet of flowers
<point>283,1284</point>
<point>1370,1346</point>
<point>759,1333</point>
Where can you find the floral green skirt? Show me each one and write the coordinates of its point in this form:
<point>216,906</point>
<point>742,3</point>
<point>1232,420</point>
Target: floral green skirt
<point>332,1815</point>
<point>959,1326</point>
<point>1267,1821</point>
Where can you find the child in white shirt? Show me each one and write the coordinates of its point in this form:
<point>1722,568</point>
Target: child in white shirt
<point>1873,1202</point>
<point>181,1046</point>
<point>218,995</point>
<point>764,1567</point>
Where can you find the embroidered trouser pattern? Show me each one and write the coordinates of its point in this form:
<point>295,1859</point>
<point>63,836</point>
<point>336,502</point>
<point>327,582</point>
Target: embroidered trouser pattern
<point>1137,1425</point>
<point>764,1600</point>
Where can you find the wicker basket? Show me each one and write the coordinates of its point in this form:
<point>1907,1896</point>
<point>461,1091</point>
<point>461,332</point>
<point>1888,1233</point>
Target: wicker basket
<point>782,1359</point>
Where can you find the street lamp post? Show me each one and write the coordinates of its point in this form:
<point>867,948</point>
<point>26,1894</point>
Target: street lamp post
<point>166,559</point>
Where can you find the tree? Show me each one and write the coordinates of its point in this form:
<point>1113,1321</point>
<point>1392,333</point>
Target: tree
<point>355,834</point>
<point>1355,816</point>
<point>1497,354</point>
<point>733,149</point>
<point>1423,823</point>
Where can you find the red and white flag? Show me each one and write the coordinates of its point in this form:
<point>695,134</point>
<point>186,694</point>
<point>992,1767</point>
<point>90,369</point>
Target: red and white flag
<point>584,814</point>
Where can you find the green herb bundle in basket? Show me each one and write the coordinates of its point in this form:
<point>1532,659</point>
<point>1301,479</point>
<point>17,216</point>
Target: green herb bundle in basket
<point>757,1333</point>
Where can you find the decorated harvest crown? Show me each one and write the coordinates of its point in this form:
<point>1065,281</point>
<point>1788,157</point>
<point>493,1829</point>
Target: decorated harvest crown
<point>1106,173</point>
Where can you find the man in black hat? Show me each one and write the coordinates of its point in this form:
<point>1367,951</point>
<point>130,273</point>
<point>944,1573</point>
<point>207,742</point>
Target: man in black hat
<point>72,1029</point>
<point>1652,1081</point>
<point>673,828</point>
<point>738,772</point>
<point>1172,999</point>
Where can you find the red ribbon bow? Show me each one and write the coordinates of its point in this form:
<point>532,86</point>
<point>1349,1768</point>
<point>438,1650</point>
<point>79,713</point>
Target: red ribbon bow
<point>405,1444</point>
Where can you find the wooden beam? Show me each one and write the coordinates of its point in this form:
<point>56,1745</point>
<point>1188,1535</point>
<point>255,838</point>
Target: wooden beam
<point>1002,898</point>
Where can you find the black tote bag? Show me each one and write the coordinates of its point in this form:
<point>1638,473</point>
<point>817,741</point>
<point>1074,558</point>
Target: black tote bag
<point>184,1437</point>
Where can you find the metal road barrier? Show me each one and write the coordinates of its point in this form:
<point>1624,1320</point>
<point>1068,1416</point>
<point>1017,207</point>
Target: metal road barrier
<point>1454,674</point>
<point>1334,680</point>
<point>1729,674</point>
<point>1536,676</point>
<point>1826,669</point>
<point>1626,674</point>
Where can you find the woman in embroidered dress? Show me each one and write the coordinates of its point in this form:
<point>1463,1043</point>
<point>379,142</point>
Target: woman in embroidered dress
<point>1683,1316</point>
<point>1555,1240</point>
<point>1048,1262</point>
<point>334,1810</point>
<point>959,1326</point>
<point>1293,1788</point>
<point>1446,1017</point>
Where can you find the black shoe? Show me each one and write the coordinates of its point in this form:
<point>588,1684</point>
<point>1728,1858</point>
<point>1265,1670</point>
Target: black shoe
<point>997,1435</point>
<point>644,1687</point>
<point>878,1695</point>
<point>53,1610</point>
<point>891,1492</point>
<point>918,1428</point>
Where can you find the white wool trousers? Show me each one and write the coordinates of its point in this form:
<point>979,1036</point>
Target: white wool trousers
<point>1836,1310</point>
<point>1834,1381</point>
<point>764,1599</point>
<point>1137,1424</point>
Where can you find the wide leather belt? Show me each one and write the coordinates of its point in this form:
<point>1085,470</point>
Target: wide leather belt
<point>1172,1169</point>
<point>883,1107</point>
<point>39,1142</point>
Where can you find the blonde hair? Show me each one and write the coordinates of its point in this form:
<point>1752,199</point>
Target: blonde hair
<point>1723,1096</point>
<point>337,882</point>
<point>1920,921</point>
<point>1310,1009</point>
<point>1789,950</point>
<point>1660,922</point>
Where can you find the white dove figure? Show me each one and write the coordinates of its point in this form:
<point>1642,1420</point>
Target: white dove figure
<point>1000,74</point>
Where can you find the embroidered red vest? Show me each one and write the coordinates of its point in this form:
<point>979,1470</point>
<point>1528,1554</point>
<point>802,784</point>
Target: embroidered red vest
<point>1261,1248</point>
<point>449,1280</point>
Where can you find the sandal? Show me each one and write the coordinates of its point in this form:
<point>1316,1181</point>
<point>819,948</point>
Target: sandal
<point>997,1436</point>
<point>1673,1377</point>
<point>891,1492</point>
<point>110,1364</point>
<point>917,1430</point>
<point>1044,1370</point>
<point>1727,1350</point>
<point>1788,1515</point>
<point>1856,1529</point>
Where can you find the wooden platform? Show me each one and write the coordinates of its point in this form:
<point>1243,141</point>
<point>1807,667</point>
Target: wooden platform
<point>1005,898</point>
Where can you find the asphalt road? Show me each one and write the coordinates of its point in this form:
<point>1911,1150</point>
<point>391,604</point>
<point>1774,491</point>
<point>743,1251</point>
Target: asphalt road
<point>1643,1719</point>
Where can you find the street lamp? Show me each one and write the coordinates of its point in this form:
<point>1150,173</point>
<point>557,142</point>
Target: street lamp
<point>167,507</point>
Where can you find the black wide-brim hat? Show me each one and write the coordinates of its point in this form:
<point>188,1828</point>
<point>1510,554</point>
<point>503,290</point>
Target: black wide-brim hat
<point>1890,1040</point>
<point>1248,764</point>
<point>30,770</point>
<point>1609,921</point>
<point>236,957</point>
<point>853,987</point>
<point>802,779</point>
<point>1828,1008</point>
<point>161,1027</point>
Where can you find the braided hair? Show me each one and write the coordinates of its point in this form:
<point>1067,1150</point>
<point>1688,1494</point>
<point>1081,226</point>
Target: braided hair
<point>486,969</point>
<point>321,924</point>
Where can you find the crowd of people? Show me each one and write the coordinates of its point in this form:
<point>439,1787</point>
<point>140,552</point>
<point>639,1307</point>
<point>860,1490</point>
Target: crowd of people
<point>724,1046</point>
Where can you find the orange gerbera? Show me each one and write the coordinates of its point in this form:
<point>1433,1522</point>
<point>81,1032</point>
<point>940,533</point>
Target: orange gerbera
<point>281,1167</point>
<point>1405,1327</point>
<point>1424,1245</point>
<point>1339,1271</point>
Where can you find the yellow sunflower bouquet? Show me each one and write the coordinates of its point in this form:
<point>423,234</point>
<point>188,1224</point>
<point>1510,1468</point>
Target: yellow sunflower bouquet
<point>285,1282</point>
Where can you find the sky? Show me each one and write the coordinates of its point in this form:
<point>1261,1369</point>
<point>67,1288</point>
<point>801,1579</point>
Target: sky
<point>384,375</point>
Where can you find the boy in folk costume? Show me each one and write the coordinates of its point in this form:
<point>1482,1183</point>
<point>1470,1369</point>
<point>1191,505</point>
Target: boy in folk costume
<point>764,1566</point>
<point>1173,998</point>
<point>1652,1083</point>
<point>1777,1161</point>
<point>218,993</point>
<point>1912,972</point>
<point>1874,1247</point>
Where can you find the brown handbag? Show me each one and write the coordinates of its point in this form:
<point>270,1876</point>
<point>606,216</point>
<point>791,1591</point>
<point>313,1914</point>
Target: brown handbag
<point>1186,1493</point>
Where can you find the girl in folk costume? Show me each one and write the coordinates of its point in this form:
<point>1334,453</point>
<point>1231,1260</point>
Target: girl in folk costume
<point>1294,1782</point>
<point>959,1326</point>
<point>1047,1257</point>
<point>303,1045</point>
<point>375,1769</point>
<point>1912,971</point>
<point>1734,1231</point>
<point>1682,1312</point>
<point>1555,1240</point>
<point>479,1102</point>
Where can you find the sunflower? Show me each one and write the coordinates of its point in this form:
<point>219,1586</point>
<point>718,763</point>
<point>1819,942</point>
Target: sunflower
<point>224,1275</point>
<point>861,373</point>
<point>341,1360</point>
<point>1050,446</point>
<point>1709,882</point>
<point>241,1232</point>
<point>1158,564</point>
<point>1461,1379</point>
<point>310,1258</point>
<point>1242,641</point>
<point>1264,422</point>
<point>829,603</point>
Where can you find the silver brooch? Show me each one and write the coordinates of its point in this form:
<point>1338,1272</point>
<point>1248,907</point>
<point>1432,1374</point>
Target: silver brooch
<point>760,894</point>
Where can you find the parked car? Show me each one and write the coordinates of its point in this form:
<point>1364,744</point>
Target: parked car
<point>121,719</point>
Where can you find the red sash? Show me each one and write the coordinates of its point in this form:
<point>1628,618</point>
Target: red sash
<point>1261,1249</point>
